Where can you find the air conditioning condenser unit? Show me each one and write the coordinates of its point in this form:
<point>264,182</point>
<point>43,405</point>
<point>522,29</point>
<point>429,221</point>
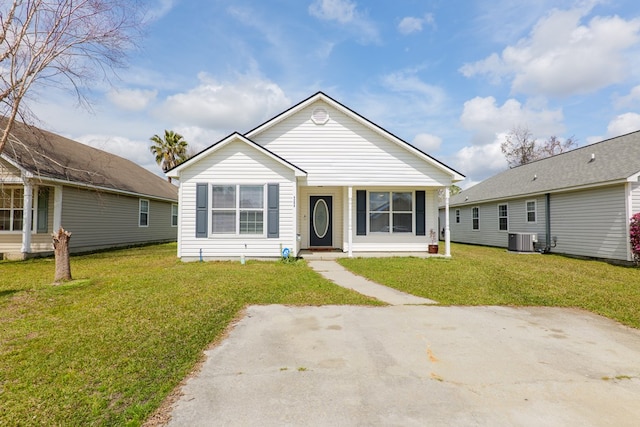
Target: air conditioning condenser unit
<point>522,242</point>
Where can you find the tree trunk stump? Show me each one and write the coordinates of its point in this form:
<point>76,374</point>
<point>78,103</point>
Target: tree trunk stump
<point>61,254</point>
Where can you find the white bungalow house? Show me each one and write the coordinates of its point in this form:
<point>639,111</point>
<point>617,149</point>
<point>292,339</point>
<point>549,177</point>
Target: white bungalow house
<point>48,181</point>
<point>577,203</point>
<point>317,176</point>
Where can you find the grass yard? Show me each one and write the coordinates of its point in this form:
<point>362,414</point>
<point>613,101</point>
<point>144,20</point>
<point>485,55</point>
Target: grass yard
<point>478,275</point>
<point>107,348</point>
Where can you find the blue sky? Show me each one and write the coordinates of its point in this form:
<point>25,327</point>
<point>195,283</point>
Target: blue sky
<point>451,77</point>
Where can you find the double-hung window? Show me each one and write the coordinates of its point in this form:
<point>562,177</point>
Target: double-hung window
<point>174,215</point>
<point>390,212</point>
<point>457,216</point>
<point>531,211</point>
<point>11,209</point>
<point>475,218</point>
<point>237,209</point>
<point>143,213</point>
<point>503,217</point>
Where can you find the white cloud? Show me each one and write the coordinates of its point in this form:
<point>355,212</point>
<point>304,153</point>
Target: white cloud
<point>342,11</point>
<point>345,13</point>
<point>562,56</point>
<point>132,99</point>
<point>136,151</point>
<point>199,138</point>
<point>225,106</point>
<point>427,142</point>
<point>489,123</point>
<point>412,24</point>
<point>633,98</point>
<point>485,119</point>
<point>479,162</point>
<point>622,124</point>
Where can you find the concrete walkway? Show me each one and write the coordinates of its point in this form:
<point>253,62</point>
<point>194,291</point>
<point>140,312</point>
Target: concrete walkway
<point>343,277</point>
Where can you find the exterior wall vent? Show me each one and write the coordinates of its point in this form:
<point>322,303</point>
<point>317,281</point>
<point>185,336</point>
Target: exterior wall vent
<point>320,116</point>
<point>522,242</point>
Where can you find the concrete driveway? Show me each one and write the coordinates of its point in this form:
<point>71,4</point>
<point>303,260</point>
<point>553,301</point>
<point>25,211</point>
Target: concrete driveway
<point>417,366</point>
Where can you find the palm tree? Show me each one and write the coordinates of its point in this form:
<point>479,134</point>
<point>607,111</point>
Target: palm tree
<point>170,151</point>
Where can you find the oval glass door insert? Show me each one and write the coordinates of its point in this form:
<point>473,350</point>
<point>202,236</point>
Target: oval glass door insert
<point>321,218</point>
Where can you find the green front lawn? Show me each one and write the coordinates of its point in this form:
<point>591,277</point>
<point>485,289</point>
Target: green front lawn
<point>478,275</point>
<point>107,348</point>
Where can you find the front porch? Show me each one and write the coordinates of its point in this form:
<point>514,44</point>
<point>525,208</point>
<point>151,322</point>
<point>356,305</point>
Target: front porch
<point>359,221</point>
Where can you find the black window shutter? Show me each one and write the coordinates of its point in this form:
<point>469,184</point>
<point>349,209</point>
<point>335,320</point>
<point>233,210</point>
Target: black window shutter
<point>201,210</point>
<point>361,213</point>
<point>273,211</point>
<point>420,213</point>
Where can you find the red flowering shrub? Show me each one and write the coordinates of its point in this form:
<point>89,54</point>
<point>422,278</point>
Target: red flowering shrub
<point>634,234</point>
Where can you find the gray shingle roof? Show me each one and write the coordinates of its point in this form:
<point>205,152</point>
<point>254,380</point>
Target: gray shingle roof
<point>50,156</point>
<point>615,159</point>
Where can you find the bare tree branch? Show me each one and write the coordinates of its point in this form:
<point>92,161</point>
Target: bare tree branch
<point>520,148</point>
<point>61,43</point>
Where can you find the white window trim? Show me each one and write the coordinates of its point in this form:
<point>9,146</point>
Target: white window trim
<point>506,217</point>
<point>457,216</point>
<point>535,210</point>
<point>391,212</point>
<point>237,234</point>
<point>174,216</point>
<point>140,212</point>
<point>12,210</point>
<point>472,218</point>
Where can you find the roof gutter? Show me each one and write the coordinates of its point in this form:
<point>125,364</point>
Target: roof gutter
<point>98,188</point>
<point>539,193</point>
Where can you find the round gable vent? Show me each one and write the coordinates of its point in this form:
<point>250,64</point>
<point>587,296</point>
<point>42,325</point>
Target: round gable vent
<point>320,116</point>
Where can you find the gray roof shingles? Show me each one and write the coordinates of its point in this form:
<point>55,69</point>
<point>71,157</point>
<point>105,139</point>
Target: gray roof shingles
<point>614,160</point>
<point>50,156</point>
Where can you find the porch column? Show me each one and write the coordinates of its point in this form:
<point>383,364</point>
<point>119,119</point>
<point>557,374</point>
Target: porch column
<point>350,222</point>
<point>57,208</point>
<point>447,233</point>
<point>27,207</point>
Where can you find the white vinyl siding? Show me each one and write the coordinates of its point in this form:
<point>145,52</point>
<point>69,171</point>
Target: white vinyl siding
<point>9,173</point>
<point>101,220</point>
<point>224,168</point>
<point>591,223</point>
<point>365,156</point>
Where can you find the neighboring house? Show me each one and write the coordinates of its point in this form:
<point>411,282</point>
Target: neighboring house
<point>576,203</point>
<point>317,176</point>
<point>102,199</point>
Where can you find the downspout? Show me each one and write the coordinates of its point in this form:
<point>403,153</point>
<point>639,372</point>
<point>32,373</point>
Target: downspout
<point>547,215</point>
